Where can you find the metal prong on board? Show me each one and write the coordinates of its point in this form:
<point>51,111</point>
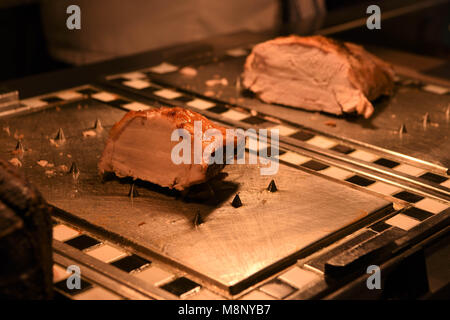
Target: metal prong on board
<point>60,138</point>
<point>236,201</point>
<point>402,130</point>
<point>19,146</point>
<point>198,220</point>
<point>272,186</point>
<point>19,150</point>
<point>426,120</point>
<point>98,125</point>
<point>74,170</point>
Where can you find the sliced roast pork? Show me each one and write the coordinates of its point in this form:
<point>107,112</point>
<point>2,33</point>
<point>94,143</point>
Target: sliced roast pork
<point>317,73</point>
<point>140,146</point>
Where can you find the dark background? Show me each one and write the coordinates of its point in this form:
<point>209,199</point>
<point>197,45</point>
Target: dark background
<point>23,46</point>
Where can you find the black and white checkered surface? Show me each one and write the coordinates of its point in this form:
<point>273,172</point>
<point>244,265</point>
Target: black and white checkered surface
<point>144,269</point>
<point>282,286</point>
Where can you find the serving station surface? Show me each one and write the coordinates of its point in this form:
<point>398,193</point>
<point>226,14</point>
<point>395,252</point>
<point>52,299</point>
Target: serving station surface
<point>350,192</point>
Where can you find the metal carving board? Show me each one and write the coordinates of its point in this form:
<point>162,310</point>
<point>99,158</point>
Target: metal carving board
<point>407,107</point>
<point>232,246</point>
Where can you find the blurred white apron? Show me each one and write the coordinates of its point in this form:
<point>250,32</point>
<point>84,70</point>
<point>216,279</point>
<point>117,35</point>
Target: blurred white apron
<point>112,28</point>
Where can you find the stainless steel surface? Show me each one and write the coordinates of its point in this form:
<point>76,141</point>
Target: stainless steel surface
<point>407,107</point>
<point>232,245</point>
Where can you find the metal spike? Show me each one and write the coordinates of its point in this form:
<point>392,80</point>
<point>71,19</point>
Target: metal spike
<point>60,136</point>
<point>74,170</point>
<point>19,146</point>
<point>426,120</point>
<point>198,220</point>
<point>272,186</point>
<point>402,130</point>
<point>236,201</point>
<point>133,193</point>
<point>98,125</point>
<point>19,150</point>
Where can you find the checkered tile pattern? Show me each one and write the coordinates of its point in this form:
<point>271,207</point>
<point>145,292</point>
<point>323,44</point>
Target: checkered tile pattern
<point>289,282</point>
<point>405,219</point>
<point>412,216</point>
<point>119,101</point>
<point>41,102</point>
<point>88,290</point>
<point>121,259</point>
<point>62,97</point>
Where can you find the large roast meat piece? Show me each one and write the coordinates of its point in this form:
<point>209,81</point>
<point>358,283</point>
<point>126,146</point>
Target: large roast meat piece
<point>140,146</point>
<point>317,73</point>
<point>25,238</point>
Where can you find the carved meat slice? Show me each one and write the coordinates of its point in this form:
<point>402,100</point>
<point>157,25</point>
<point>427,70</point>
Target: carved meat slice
<point>140,146</point>
<point>317,73</point>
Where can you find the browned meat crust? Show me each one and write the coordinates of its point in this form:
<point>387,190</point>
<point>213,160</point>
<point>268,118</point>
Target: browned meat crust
<point>365,76</point>
<point>139,146</point>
